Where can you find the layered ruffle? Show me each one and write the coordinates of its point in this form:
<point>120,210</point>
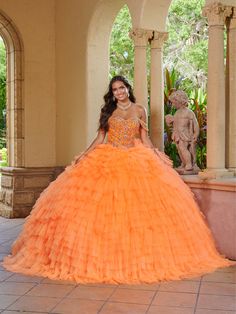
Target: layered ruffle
<point>118,216</point>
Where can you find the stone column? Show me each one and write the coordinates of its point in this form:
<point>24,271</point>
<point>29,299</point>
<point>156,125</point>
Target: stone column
<point>140,38</point>
<point>216,14</point>
<point>157,90</point>
<point>231,106</point>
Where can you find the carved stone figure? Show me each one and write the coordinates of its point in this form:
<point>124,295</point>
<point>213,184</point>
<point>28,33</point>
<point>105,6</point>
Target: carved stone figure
<point>185,132</point>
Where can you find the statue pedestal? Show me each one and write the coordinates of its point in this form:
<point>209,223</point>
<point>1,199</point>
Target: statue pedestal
<point>215,173</point>
<point>182,171</point>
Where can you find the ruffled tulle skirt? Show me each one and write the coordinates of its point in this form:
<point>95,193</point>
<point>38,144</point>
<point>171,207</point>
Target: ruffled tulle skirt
<point>118,216</point>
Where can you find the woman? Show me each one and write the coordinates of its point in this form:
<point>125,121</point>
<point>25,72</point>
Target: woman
<point>119,213</point>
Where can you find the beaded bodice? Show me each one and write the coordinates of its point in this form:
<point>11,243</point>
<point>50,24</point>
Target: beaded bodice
<point>122,132</point>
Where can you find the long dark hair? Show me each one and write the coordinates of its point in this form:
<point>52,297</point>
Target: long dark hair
<point>110,101</point>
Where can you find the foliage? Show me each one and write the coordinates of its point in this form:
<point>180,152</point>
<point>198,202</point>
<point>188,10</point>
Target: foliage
<point>3,157</point>
<point>2,94</point>
<point>121,46</point>
<point>171,83</point>
<point>186,49</point>
<point>198,103</point>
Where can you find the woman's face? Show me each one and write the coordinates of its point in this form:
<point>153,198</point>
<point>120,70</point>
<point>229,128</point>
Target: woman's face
<point>120,91</point>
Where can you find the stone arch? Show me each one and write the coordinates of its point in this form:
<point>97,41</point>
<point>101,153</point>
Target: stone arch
<point>150,14</point>
<point>15,109</point>
<point>98,59</point>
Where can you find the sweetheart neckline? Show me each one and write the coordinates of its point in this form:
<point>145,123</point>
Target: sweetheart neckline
<point>131,118</point>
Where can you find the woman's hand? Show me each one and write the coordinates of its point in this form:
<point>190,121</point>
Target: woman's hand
<point>98,140</point>
<point>77,159</point>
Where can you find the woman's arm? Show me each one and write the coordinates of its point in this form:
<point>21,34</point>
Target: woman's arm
<point>144,129</point>
<point>146,140</point>
<point>98,140</point>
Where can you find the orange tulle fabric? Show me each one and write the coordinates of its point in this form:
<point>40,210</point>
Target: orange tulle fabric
<point>120,215</point>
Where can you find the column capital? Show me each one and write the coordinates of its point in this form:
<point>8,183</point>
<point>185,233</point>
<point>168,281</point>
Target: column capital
<point>158,39</point>
<point>216,13</point>
<point>140,36</point>
<point>232,24</point>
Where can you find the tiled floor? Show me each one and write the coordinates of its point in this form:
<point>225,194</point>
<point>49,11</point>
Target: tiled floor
<point>211,294</point>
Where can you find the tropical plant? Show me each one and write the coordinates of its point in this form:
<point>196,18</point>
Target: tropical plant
<point>2,94</point>
<point>172,83</point>
<point>198,103</point>
<point>3,157</point>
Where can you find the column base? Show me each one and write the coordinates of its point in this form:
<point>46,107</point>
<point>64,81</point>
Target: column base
<point>232,170</point>
<point>21,187</point>
<point>215,173</point>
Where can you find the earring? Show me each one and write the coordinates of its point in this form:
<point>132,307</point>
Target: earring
<point>114,98</point>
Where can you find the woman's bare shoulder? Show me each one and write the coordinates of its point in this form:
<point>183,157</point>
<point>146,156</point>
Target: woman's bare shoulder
<point>140,108</point>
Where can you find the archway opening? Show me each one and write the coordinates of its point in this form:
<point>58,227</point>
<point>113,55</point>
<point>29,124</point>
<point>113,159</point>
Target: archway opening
<point>98,60</point>
<point>186,68</point>
<point>3,75</point>
<point>14,109</point>
<point>121,46</point>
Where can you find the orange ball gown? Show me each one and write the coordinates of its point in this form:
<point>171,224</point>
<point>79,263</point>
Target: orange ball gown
<point>120,215</point>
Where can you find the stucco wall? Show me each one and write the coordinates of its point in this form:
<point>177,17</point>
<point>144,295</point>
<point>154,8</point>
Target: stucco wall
<point>72,19</point>
<point>66,64</point>
<point>35,21</point>
<point>66,59</point>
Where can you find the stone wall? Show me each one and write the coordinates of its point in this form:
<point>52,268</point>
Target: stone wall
<point>21,188</point>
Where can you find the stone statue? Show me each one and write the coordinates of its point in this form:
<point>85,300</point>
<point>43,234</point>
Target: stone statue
<point>185,132</point>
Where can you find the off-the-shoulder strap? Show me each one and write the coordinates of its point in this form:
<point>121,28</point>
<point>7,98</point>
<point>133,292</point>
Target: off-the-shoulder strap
<point>143,124</point>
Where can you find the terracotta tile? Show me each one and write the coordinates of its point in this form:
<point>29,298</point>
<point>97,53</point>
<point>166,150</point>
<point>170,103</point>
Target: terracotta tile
<point>11,233</point>
<point>193,279</point>
<point>40,304</point>
<point>231,269</point>
<point>48,290</point>
<point>4,275</point>
<point>204,311</point>
<point>175,299</point>
<point>216,302</point>
<point>4,250</point>
<point>4,239</point>
<point>106,285</point>
<point>2,255</point>
<point>169,310</point>
<point>91,293</point>
<point>59,282</point>
<point>218,288</point>
<point>16,312</point>
<point>152,287</point>
<point>220,277</point>
<point>6,300</point>
<point>180,286</point>
<point>24,278</point>
<point>123,308</point>
<point>7,248</point>
<point>132,296</point>
<point>74,306</point>
<point>15,288</point>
